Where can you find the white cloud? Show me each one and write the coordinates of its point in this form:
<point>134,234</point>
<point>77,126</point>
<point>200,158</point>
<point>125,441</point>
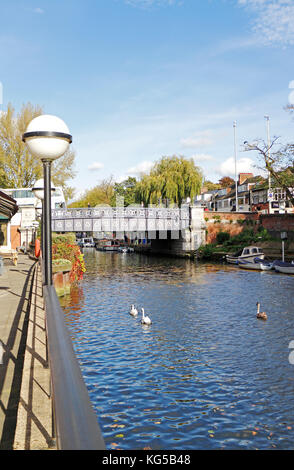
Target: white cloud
<point>199,139</point>
<point>142,167</point>
<point>201,157</point>
<point>96,166</point>
<point>273,22</point>
<point>244,165</point>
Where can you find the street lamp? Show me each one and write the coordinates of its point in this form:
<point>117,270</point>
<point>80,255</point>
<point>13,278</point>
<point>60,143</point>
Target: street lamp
<point>47,138</point>
<point>38,191</point>
<point>268,148</point>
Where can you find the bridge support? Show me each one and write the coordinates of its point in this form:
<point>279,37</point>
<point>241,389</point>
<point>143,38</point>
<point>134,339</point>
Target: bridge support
<point>185,242</point>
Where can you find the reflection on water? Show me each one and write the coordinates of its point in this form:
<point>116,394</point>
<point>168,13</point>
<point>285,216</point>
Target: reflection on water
<point>206,374</point>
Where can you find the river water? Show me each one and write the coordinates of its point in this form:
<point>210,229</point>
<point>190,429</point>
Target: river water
<point>206,374</point>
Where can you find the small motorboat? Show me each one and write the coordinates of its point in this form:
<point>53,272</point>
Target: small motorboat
<point>258,264</point>
<point>248,253</point>
<point>284,267</point>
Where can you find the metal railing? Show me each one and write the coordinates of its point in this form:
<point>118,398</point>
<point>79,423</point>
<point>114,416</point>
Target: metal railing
<point>76,425</point>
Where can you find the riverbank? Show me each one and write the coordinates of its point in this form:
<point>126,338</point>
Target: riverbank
<point>271,249</point>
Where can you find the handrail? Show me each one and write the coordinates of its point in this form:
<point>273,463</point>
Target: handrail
<point>76,424</point>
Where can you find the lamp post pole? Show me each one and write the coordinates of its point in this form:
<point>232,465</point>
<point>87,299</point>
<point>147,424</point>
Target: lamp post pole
<point>268,148</point>
<point>47,222</point>
<point>39,191</point>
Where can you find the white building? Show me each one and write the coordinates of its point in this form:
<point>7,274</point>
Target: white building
<point>20,229</point>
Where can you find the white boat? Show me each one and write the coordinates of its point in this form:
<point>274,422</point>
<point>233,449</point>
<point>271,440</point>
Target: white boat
<point>246,254</point>
<point>257,265</point>
<point>86,242</point>
<point>284,267</point>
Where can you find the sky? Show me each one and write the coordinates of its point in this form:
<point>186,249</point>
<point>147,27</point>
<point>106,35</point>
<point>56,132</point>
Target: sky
<point>136,80</point>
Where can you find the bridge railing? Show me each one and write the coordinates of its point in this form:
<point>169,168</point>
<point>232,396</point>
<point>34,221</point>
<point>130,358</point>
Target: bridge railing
<point>120,219</point>
<point>76,425</point>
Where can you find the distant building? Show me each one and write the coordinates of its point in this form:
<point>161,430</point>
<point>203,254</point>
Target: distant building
<point>274,201</point>
<point>253,196</point>
<point>20,229</point>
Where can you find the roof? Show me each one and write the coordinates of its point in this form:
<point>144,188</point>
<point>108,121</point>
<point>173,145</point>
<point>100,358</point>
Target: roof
<point>8,206</point>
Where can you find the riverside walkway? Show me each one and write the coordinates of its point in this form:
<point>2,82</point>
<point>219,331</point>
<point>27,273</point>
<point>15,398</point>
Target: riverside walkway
<point>25,403</point>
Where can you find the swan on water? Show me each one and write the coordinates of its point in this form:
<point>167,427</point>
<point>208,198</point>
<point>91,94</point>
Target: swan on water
<point>145,319</point>
<point>133,311</point>
<point>261,315</point>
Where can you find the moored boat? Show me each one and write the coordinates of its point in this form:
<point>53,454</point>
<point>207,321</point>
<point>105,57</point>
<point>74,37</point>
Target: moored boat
<point>107,245</point>
<point>248,253</point>
<point>257,264</point>
<point>284,267</point>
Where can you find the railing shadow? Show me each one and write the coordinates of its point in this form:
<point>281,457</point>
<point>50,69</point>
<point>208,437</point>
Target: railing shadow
<point>22,315</point>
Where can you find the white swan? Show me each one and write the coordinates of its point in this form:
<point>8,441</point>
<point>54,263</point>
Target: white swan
<point>133,311</point>
<point>145,319</point>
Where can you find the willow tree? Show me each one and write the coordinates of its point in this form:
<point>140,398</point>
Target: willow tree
<point>18,168</point>
<point>171,178</point>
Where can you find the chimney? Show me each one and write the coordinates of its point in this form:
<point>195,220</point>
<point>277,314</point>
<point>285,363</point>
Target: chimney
<point>244,176</point>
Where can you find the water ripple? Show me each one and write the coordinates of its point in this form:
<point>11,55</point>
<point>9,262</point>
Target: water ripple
<point>206,374</point>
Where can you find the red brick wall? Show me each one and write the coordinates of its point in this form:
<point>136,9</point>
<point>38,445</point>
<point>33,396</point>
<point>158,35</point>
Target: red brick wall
<point>227,216</point>
<point>225,222</point>
<point>277,223</point>
<point>274,223</point>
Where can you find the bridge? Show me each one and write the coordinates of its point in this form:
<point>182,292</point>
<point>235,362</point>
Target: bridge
<point>172,230</point>
<point>120,219</point>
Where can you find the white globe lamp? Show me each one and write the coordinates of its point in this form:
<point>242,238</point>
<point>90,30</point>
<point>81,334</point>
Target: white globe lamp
<point>47,137</point>
<point>38,189</point>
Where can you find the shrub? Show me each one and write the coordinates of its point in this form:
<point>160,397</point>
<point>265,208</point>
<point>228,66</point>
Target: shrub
<point>71,252</point>
<point>69,237</point>
<point>222,237</point>
<point>206,251</point>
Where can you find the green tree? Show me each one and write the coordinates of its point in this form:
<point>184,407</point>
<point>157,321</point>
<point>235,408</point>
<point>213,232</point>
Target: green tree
<point>101,194</point>
<point>209,186</point>
<point>18,168</point>
<point>171,178</point>
<point>126,190</point>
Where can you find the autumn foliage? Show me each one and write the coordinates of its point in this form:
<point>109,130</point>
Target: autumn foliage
<point>66,249</point>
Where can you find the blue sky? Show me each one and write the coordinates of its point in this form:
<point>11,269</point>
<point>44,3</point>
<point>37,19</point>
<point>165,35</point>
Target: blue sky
<point>138,79</point>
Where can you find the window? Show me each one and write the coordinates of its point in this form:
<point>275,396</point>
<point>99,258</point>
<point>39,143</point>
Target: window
<point>22,193</point>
